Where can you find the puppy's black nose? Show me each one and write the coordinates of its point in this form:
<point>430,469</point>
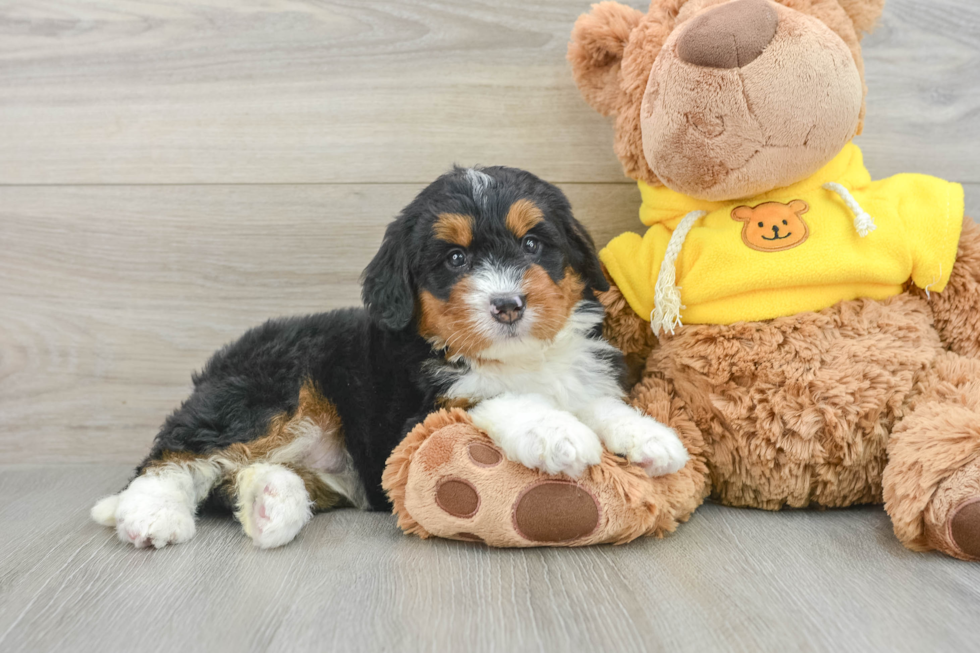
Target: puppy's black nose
<point>507,310</point>
<point>775,230</point>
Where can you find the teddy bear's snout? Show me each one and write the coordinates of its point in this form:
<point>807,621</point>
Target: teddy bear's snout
<point>731,35</point>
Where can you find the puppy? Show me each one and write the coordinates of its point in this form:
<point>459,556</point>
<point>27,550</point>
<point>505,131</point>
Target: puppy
<point>482,295</point>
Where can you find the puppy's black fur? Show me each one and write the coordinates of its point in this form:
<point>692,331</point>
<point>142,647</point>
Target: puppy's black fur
<point>372,363</point>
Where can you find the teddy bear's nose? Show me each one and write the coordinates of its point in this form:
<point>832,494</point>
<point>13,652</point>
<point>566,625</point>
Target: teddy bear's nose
<point>731,35</point>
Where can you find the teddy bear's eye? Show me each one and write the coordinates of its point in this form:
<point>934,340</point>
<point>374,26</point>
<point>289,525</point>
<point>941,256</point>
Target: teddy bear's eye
<point>761,225</point>
<point>784,222</point>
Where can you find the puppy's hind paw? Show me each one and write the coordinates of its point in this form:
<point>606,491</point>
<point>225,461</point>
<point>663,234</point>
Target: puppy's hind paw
<point>155,510</point>
<point>157,524</point>
<point>104,511</point>
<point>275,506</point>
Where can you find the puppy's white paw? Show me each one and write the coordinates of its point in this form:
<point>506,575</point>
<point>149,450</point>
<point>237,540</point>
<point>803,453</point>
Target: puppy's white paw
<point>152,511</point>
<point>646,442</point>
<point>556,442</point>
<point>531,431</point>
<point>274,504</point>
<point>104,510</point>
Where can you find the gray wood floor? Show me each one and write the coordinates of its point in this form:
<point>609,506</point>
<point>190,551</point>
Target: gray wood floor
<point>732,580</point>
<point>173,173</point>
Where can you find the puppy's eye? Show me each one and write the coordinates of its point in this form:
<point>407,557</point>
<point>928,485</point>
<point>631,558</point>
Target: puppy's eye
<point>760,224</point>
<point>531,245</point>
<point>784,222</point>
<point>456,258</point>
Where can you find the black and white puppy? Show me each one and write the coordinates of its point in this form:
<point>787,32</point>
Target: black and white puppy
<point>482,295</point>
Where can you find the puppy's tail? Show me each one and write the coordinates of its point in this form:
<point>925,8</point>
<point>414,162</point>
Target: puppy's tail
<point>104,511</point>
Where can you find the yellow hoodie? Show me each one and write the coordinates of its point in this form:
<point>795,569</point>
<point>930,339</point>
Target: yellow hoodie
<point>800,248</point>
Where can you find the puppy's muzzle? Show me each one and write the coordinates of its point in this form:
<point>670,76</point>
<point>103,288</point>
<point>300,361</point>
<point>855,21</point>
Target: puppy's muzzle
<point>508,310</point>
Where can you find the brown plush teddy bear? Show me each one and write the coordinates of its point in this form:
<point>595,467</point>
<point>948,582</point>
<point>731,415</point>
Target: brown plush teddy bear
<point>812,335</point>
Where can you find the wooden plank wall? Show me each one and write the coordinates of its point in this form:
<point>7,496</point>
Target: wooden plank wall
<point>173,173</point>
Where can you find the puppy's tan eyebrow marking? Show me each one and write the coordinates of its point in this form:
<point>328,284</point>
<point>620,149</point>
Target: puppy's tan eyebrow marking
<point>454,228</point>
<point>522,216</point>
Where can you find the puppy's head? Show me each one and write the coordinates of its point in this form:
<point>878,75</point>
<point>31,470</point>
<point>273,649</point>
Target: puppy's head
<point>481,261</point>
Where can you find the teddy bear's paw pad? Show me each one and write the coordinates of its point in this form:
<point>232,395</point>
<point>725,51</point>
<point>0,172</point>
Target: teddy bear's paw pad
<point>555,511</point>
<point>458,497</point>
<point>484,455</point>
<point>964,527</point>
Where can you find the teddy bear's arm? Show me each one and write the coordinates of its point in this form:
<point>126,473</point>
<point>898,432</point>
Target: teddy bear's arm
<point>627,332</point>
<point>957,308</point>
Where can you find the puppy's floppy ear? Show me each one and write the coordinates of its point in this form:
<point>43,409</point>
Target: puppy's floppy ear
<point>387,289</point>
<point>863,13</point>
<point>599,39</point>
<point>584,259</point>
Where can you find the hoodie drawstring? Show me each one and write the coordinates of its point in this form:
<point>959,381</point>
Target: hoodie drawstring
<point>863,223</point>
<point>666,314</point>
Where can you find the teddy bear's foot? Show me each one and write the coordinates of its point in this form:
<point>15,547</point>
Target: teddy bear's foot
<point>952,519</point>
<point>448,479</point>
<point>964,528</point>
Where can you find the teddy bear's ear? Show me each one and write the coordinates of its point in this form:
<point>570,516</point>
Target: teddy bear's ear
<point>742,213</point>
<point>863,13</point>
<point>799,207</point>
<point>596,50</point>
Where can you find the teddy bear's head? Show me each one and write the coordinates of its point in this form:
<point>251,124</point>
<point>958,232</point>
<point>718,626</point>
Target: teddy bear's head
<point>722,99</point>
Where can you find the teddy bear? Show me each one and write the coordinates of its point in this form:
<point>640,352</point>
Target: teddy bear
<point>812,335</point>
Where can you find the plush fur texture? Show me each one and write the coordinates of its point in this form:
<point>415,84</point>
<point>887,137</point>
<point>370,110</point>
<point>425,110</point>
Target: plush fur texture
<point>482,294</point>
<point>724,133</point>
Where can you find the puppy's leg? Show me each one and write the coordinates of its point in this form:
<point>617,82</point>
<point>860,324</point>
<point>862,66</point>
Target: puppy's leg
<point>640,439</point>
<point>530,430</point>
<point>158,507</point>
<point>273,503</point>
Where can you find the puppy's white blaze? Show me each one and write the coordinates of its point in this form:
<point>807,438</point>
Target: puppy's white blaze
<point>490,280</point>
<point>479,182</point>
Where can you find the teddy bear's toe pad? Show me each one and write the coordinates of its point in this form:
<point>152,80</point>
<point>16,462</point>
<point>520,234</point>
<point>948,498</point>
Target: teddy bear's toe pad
<point>458,497</point>
<point>964,527</point>
<point>484,455</point>
<point>555,511</point>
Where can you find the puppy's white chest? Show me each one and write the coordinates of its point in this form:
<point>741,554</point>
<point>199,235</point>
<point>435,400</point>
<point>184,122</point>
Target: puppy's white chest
<point>572,371</point>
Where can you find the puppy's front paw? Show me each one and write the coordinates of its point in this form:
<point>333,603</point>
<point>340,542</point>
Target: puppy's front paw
<point>647,443</point>
<point>557,443</point>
